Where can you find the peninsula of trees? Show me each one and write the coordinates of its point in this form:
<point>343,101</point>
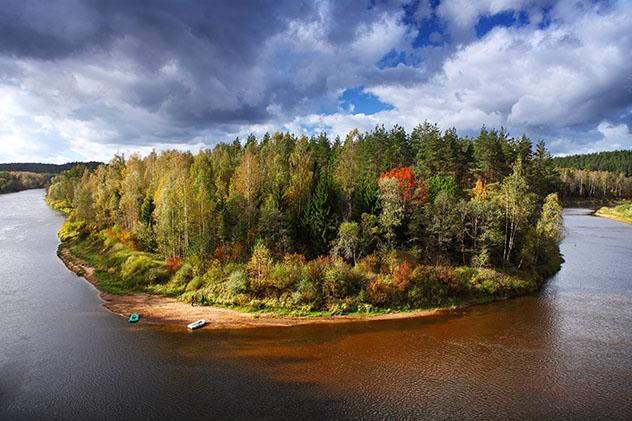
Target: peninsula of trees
<point>383,219</point>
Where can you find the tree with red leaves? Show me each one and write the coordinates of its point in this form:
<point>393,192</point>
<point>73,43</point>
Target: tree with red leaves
<point>411,190</point>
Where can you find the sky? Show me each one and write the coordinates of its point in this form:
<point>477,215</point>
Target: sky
<point>82,79</point>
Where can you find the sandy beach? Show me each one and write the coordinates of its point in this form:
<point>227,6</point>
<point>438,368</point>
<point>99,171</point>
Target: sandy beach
<point>160,310</point>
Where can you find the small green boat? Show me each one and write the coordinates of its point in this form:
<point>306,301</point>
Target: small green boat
<point>134,318</point>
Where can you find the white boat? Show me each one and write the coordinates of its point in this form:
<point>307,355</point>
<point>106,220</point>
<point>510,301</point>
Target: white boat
<point>196,324</point>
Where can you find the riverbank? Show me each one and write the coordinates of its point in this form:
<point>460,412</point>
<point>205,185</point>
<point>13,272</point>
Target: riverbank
<point>621,213</point>
<point>16,181</point>
<point>161,310</point>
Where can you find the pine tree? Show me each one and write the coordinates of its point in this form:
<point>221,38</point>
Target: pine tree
<point>319,215</point>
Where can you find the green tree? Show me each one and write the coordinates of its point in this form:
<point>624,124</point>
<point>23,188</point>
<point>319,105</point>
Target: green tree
<point>348,241</point>
<point>392,208</point>
<point>273,229</point>
<point>518,205</point>
<point>301,178</point>
<point>347,169</point>
<point>319,215</point>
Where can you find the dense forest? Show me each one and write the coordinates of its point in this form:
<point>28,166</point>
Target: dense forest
<point>594,184</point>
<point>15,181</point>
<point>383,219</point>
<point>36,167</point>
<point>615,162</point>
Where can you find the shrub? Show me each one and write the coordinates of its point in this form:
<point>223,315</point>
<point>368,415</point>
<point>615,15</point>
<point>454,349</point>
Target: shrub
<point>290,272</point>
<point>214,276</point>
<point>369,264</point>
<point>340,281</point>
<point>115,234</point>
<point>389,260</point>
<point>237,282</point>
<point>316,269</point>
<point>72,230</point>
<point>174,263</point>
<point>344,306</point>
<point>278,277</point>
<point>135,269</point>
<point>307,291</point>
<point>425,289</point>
<point>447,276</point>
<point>376,290</point>
<point>259,267</point>
<point>157,275</point>
<point>401,277</point>
<point>183,275</point>
<point>195,283</point>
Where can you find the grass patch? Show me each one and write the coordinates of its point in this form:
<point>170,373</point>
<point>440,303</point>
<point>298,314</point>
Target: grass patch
<point>622,212</point>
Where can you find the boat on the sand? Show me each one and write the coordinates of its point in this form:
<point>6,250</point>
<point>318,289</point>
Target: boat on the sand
<point>196,324</point>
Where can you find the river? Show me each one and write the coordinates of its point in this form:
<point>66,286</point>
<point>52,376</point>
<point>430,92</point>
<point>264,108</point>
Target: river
<point>564,353</point>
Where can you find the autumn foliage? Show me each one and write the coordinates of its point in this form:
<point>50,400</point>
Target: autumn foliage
<point>174,263</point>
<point>411,189</point>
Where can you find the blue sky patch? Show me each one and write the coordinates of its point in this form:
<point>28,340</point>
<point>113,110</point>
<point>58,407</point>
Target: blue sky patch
<point>392,59</point>
<point>356,101</point>
<point>507,19</point>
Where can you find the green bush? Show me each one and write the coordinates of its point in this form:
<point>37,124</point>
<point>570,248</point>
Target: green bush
<point>157,275</point>
<point>136,269</point>
<point>72,230</point>
<point>488,282</point>
<point>425,289</point>
<point>237,282</point>
<point>214,276</point>
<point>369,264</point>
<point>195,283</point>
<point>289,273</point>
<point>341,281</point>
<point>307,292</point>
<point>183,275</point>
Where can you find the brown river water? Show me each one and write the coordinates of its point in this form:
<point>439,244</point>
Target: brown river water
<point>565,353</point>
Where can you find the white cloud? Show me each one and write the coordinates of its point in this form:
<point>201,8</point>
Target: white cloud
<point>565,77</point>
<point>605,137</point>
<point>614,137</point>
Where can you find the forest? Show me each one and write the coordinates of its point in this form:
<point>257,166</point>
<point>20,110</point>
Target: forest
<point>594,184</point>
<point>14,181</point>
<point>380,220</point>
<point>614,161</point>
<point>37,167</point>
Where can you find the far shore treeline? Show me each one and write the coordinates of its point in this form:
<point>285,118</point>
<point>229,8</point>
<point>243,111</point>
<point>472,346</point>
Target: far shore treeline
<point>41,168</point>
<point>383,219</point>
<point>15,177</point>
<point>15,181</point>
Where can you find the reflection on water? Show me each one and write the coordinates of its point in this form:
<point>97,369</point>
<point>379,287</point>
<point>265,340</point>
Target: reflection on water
<point>566,352</point>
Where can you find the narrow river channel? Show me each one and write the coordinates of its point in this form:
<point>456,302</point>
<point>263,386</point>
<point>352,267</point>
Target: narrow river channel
<point>564,353</point>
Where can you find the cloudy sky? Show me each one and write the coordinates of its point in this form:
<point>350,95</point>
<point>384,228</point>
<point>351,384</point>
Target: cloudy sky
<point>82,80</point>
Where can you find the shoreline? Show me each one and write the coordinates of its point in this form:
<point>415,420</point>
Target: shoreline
<point>610,216</point>
<point>167,311</point>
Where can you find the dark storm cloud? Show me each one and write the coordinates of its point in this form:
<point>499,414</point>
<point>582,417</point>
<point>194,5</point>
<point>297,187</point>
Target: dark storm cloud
<point>110,74</point>
<point>196,63</point>
<point>212,46</point>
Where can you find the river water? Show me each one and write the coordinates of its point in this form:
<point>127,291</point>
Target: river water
<point>565,353</point>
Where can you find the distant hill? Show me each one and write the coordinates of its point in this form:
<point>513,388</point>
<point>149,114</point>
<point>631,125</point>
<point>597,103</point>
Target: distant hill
<point>615,161</point>
<point>40,168</point>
